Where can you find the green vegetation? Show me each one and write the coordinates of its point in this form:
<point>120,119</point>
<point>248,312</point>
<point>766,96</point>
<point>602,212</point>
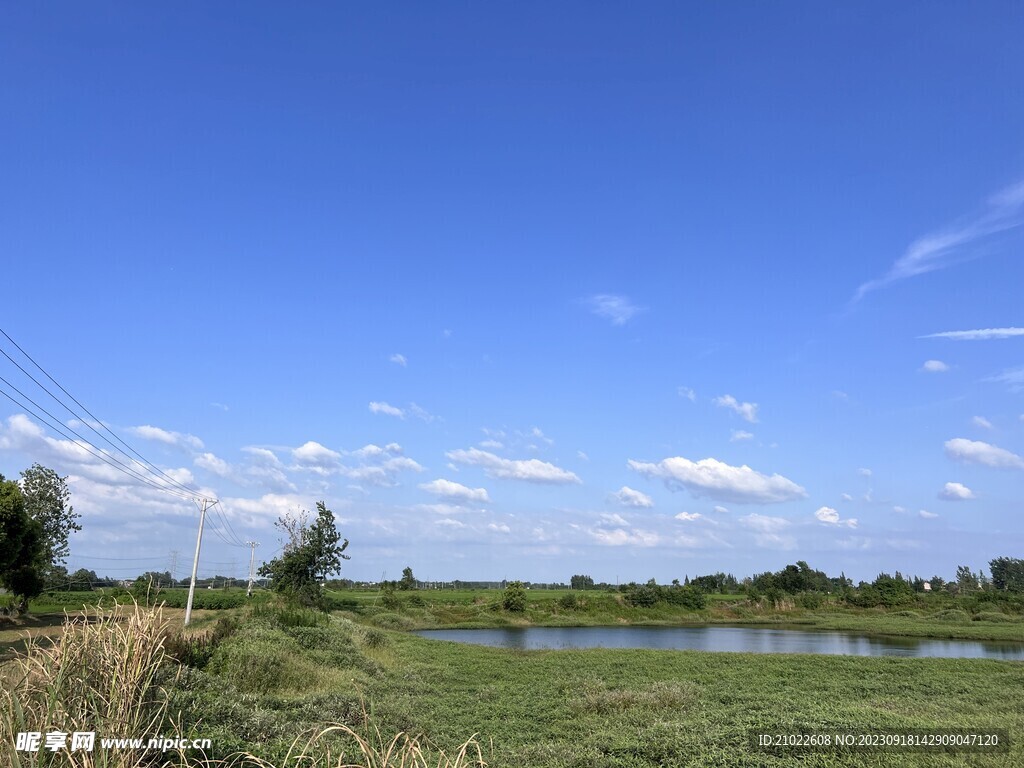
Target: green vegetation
<point>311,554</point>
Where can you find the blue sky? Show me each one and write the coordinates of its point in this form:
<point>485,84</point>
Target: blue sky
<point>524,291</point>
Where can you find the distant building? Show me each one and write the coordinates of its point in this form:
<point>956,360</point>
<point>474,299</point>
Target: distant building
<point>927,586</point>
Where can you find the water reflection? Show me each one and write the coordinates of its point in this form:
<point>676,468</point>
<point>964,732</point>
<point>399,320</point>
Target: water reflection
<point>735,639</point>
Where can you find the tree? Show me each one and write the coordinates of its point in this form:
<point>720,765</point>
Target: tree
<point>311,554</point>
<point>21,547</point>
<point>47,502</point>
<point>408,580</point>
<point>513,599</point>
<point>581,581</point>
<point>1007,574</point>
<point>82,580</point>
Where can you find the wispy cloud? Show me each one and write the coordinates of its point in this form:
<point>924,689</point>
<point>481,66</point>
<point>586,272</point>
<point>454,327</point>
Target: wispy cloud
<point>619,309</point>
<point>177,439</point>
<point>387,409</point>
<point>456,492</point>
<point>934,366</point>
<point>747,411</point>
<point>979,334</point>
<point>530,470</point>
<point>1013,378</point>
<point>938,250</point>
<point>688,393</point>
<point>739,435</point>
<point>977,452</point>
<point>399,359</point>
<point>628,497</point>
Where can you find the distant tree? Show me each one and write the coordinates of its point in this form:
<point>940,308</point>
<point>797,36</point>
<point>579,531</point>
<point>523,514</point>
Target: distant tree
<point>47,501</point>
<point>966,580</point>
<point>408,581</point>
<point>580,581</point>
<point>82,580</point>
<point>1007,574</point>
<point>513,599</point>
<point>21,547</point>
<point>310,555</point>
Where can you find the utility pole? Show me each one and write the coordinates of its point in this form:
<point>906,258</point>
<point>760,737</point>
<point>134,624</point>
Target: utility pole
<point>252,561</point>
<point>204,504</point>
<point>174,566</point>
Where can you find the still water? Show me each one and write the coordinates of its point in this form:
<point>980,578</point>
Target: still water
<point>735,639</point>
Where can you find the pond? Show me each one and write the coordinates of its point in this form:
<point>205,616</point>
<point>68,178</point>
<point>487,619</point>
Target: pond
<point>731,639</point>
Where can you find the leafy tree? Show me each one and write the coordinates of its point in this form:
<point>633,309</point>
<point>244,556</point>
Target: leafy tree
<point>47,502</point>
<point>1007,574</point>
<point>311,554</point>
<point>513,599</point>
<point>21,547</point>
<point>408,581</point>
<point>580,581</point>
<point>82,580</point>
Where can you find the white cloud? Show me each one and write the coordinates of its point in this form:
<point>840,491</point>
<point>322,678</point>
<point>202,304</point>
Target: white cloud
<point>314,455</point>
<point>847,497</point>
<point>981,334</point>
<point>214,464</point>
<point>934,366</point>
<point>977,452</point>
<point>1002,212</point>
<point>769,531</point>
<point>688,393</point>
<point>619,537</point>
<point>1012,377</point>
<point>899,510</point>
<point>450,522</point>
<point>386,409</point>
<point>746,410</point>
<point>421,413</point>
<point>720,510</point>
<point>399,359</point>
<point>443,509</point>
<point>831,517</point>
<point>981,422</point>
<point>614,519</point>
<point>864,472</point>
<point>581,455</point>
<point>927,515</point>
<point>720,481</point>
<point>530,470</point>
<point>499,527</point>
<point>456,491</point>
<point>618,309</point>
<point>739,435</point>
<point>956,492</point>
<point>687,516</point>
<point>628,497</point>
<point>492,444</point>
<point>177,439</point>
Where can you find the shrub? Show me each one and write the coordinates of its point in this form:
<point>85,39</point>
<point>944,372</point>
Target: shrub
<point>568,602</point>
<point>811,600</point>
<point>389,599</point>
<point>687,597</point>
<point>642,596</point>
<point>513,599</point>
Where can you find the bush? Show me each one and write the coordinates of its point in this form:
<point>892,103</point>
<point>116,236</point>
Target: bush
<point>687,597</point>
<point>993,616</point>
<point>811,600</point>
<point>389,599</point>
<point>642,596</point>
<point>513,599</point>
<point>568,602</point>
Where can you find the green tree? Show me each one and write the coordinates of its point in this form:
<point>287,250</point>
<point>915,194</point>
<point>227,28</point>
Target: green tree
<point>82,580</point>
<point>1007,574</point>
<point>21,547</point>
<point>581,581</point>
<point>47,501</point>
<point>513,599</point>
<point>408,581</point>
<point>311,554</point>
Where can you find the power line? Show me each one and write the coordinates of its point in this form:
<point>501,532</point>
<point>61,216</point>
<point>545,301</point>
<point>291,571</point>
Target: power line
<point>88,447</point>
<point>190,491</point>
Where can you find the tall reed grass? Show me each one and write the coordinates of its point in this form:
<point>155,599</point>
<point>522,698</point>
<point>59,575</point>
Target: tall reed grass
<point>106,673</point>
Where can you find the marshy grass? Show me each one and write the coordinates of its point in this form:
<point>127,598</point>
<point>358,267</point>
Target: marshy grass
<point>111,672</point>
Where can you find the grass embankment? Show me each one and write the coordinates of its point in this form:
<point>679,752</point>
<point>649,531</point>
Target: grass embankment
<point>595,708</point>
<point>940,617</point>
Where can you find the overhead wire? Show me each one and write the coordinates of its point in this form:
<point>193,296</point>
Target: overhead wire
<point>152,468</point>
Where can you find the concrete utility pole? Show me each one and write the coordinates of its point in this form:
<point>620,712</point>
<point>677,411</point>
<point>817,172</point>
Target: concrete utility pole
<point>204,504</point>
<point>252,561</point>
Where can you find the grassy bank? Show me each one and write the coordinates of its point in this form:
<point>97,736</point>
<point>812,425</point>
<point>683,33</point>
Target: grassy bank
<point>939,617</point>
<point>594,708</point>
